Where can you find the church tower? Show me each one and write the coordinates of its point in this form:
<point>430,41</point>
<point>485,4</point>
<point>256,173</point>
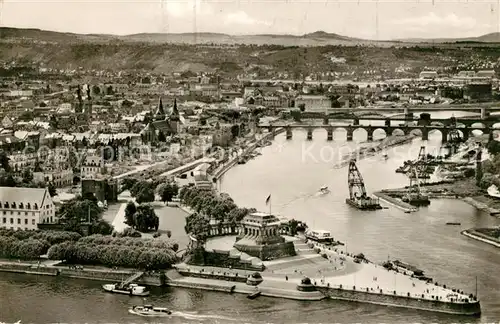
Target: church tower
<point>160,112</point>
<point>174,118</point>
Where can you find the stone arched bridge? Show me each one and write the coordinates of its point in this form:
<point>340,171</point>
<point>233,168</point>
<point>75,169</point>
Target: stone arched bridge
<point>389,130</point>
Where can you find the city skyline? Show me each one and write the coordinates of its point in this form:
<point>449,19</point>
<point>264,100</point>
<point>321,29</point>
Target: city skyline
<point>365,19</point>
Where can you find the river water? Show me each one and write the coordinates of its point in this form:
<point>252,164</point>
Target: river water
<point>292,172</point>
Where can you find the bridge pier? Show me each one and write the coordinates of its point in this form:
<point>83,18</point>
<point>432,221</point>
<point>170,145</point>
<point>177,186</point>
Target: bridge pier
<point>289,133</point>
<point>369,132</point>
<point>484,113</point>
<point>309,134</point>
<point>408,114</point>
<point>425,134</point>
<point>326,121</point>
<point>329,134</point>
<point>466,133</point>
<point>350,133</point>
<point>444,136</point>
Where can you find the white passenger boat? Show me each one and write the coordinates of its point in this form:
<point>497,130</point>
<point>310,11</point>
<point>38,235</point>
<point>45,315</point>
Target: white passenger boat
<point>131,289</point>
<point>324,190</point>
<point>320,236</point>
<point>149,310</point>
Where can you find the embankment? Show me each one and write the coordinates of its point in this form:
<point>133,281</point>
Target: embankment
<point>473,234</point>
<point>458,308</point>
<point>395,202</point>
<point>233,161</point>
<point>103,274</point>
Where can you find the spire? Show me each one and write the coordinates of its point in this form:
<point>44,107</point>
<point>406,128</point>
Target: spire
<point>174,110</point>
<point>160,110</point>
<point>174,115</point>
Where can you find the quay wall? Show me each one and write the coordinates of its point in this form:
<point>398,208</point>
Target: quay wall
<point>473,234</point>
<point>85,273</point>
<point>472,308</point>
<point>395,202</point>
<point>232,162</point>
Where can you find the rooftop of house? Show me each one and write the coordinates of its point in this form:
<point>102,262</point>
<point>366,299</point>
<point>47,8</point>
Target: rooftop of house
<point>23,195</point>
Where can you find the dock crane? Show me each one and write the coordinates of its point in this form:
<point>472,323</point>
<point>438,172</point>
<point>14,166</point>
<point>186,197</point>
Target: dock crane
<point>415,196</point>
<point>423,169</point>
<point>357,191</point>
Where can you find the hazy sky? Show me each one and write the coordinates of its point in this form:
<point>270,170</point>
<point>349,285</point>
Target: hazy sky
<point>395,19</point>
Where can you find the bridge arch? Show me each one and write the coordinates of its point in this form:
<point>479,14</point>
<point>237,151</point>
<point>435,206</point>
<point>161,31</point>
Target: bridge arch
<point>437,123</point>
<point>398,132</point>
<point>379,133</point>
<point>478,125</point>
<point>357,134</point>
<point>496,134</point>
<point>417,132</point>
<point>477,132</point>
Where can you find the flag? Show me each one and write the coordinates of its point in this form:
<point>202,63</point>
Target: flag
<point>268,199</point>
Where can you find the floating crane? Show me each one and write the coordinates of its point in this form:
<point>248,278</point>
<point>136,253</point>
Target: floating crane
<point>422,167</point>
<point>415,196</point>
<point>357,192</point>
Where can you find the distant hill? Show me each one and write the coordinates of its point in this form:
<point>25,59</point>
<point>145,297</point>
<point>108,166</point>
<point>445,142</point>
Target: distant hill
<point>487,38</point>
<point>318,38</point>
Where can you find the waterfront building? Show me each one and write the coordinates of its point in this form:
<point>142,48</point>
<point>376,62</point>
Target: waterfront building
<point>259,236</point>
<point>314,103</point>
<point>200,176</point>
<point>25,208</point>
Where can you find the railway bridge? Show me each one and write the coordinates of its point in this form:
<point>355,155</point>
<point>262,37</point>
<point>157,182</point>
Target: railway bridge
<point>423,130</point>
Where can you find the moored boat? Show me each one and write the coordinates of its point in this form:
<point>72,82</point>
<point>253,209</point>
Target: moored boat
<point>149,310</point>
<point>320,236</point>
<point>131,289</point>
<point>406,269</point>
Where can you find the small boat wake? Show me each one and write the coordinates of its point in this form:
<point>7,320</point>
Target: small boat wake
<point>201,317</point>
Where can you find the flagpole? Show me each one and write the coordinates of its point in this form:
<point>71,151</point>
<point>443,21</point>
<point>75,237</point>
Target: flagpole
<point>270,204</point>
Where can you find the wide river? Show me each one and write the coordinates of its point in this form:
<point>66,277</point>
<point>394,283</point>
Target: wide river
<point>292,172</point>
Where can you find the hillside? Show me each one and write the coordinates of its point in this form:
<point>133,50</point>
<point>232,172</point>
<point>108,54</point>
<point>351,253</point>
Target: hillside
<point>173,53</point>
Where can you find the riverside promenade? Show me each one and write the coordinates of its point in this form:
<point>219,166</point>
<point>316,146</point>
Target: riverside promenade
<point>328,268</point>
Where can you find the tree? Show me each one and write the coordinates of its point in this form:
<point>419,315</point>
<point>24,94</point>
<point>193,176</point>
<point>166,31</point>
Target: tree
<point>77,211</point>
<point>128,183</point>
<point>145,218</point>
<point>4,161</point>
<point>52,190</point>
<point>27,176</point>
<point>167,191</point>
<point>130,210</point>
<point>145,195</point>
<point>103,228</point>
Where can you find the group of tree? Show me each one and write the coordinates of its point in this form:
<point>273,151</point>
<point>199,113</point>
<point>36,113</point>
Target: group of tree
<point>82,210</point>
<point>142,217</point>
<point>29,245</point>
<point>210,204</point>
<point>167,191</point>
<point>111,251</point>
<point>143,191</point>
